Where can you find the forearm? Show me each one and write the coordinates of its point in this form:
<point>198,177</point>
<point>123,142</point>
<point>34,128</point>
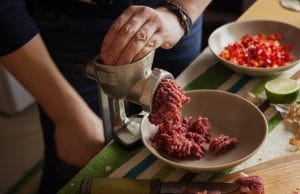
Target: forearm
<point>33,67</point>
<point>194,8</point>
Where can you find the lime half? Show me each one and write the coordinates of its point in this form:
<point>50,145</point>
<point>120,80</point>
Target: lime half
<point>282,90</point>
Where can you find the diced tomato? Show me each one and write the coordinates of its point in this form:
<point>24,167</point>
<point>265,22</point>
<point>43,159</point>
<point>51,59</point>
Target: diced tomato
<point>260,51</point>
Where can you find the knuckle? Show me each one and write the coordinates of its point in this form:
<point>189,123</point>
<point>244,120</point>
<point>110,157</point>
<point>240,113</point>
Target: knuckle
<point>117,25</point>
<point>135,19</point>
<point>167,45</point>
<point>128,29</point>
<point>141,35</point>
<point>152,43</point>
<point>144,10</point>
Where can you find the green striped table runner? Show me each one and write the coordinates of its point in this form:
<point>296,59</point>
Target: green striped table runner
<point>114,162</point>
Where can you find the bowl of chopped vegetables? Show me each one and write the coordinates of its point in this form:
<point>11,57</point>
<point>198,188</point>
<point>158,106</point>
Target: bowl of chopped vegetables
<point>256,47</point>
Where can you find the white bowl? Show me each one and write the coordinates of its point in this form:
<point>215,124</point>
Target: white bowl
<point>232,32</point>
<point>228,114</point>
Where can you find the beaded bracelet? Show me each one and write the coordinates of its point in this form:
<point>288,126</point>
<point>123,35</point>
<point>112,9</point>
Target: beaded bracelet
<point>176,9</point>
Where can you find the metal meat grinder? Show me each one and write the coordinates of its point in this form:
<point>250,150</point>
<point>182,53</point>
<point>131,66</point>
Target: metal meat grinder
<point>134,82</point>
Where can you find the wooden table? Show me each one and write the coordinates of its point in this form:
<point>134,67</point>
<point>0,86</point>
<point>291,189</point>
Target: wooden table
<point>204,72</point>
<point>271,10</point>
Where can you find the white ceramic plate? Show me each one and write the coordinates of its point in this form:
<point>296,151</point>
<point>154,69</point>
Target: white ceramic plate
<point>229,114</point>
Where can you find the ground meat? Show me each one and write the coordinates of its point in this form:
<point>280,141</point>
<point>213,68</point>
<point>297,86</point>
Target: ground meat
<point>200,126</point>
<point>248,185</point>
<point>222,144</point>
<point>182,139</point>
<point>251,185</point>
<point>178,136</point>
<point>167,103</point>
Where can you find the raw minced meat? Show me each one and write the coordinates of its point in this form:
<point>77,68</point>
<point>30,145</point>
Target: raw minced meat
<point>178,136</point>
<point>222,144</point>
<point>182,139</point>
<point>167,103</point>
<point>251,185</point>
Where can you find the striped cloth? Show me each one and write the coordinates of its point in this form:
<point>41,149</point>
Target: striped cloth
<point>204,73</point>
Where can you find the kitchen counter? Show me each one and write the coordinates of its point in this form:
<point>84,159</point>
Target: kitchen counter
<point>271,10</point>
<point>113,161</point>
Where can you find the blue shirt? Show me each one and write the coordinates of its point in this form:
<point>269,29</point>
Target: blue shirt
<point>16,26</point>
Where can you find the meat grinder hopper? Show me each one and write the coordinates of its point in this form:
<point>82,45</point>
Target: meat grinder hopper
<point>134,82</point>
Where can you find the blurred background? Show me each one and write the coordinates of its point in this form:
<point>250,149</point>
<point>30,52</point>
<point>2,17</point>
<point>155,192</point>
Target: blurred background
<point>21,145</point>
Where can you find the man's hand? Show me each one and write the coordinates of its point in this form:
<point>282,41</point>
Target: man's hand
<point>79,140</point>
<point>137,32</point>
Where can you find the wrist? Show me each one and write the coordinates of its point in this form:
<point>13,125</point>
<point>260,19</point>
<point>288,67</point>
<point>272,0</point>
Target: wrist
<point>184,19</point>
<point>172,18</point>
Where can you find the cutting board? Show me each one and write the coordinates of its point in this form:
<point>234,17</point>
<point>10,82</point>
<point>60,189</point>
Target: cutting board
<point>280,176</point>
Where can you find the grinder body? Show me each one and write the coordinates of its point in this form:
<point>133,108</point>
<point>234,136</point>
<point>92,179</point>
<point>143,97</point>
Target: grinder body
<point>134,82</point>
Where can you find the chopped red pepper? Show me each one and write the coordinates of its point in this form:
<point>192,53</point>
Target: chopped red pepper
<point>261,51</point>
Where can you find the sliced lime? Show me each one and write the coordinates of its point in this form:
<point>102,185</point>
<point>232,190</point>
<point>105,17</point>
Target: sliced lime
<point>282,90</point>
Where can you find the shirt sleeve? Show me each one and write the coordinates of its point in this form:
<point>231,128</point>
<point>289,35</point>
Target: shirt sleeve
<point>16,26</point>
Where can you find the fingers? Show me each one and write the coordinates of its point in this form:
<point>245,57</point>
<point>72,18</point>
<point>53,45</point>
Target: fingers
<point>137,32</point>
<point>113,32</point>
<point>158,39</point>
<point>118,40</point>
<point>137,42</point>
<point>150,36</point>
<point>154,42</point>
